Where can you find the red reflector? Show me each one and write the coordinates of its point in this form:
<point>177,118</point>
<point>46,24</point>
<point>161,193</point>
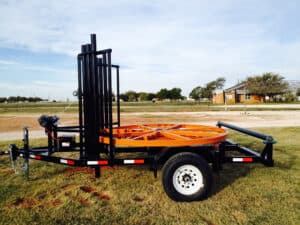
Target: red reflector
<point>70,162</point>
<point>247,159</point>
<point>139,161</point>
<point>38,157</point>
<point>103,162</point>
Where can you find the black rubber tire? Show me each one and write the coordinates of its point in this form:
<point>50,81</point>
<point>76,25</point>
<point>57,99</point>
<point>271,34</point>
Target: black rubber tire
<point>186,158</point>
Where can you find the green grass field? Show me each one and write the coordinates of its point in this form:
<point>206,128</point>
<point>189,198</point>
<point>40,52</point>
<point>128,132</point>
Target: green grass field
<point>129,107</point>
<point>242,194</point>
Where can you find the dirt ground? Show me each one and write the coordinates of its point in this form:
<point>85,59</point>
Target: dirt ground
<point>11,124</point>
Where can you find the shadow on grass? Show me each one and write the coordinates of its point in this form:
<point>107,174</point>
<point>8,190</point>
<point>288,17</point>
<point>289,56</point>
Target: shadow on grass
<point>287,159</point>
<point>232,172</point>
<point>229,174</point>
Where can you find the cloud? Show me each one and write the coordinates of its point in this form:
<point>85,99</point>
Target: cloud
<point>7,62</point>
<point>163,43</point>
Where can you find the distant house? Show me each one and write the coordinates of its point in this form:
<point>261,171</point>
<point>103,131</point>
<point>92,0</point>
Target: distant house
<point>236,94</point>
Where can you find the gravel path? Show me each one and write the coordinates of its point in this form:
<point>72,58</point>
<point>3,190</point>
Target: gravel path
<point>245,119</point>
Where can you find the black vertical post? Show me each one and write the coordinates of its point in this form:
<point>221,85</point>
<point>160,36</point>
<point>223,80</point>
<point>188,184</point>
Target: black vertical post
<point>55,141</point>
<point>79,94</point>
<point>85,94</point>
<point>50,142</point>
<point>118,97</point>
<point>269,147</point>
<point>94,103</point>
<point>94,90</point>
<point>111,145</point>
<point>26,151</point>
<point>100,87</point>
<point>105,96</point>
<point>89,125</point>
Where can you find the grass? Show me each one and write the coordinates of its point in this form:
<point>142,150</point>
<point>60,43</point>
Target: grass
<point>129,107</point>
<point>242,194</point>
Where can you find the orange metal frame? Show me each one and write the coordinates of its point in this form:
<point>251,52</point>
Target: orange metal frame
<point>164,135</point>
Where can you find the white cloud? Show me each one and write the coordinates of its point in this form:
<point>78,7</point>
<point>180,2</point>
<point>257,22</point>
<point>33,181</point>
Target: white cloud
<point>163,43</point>
<point>7,62</point>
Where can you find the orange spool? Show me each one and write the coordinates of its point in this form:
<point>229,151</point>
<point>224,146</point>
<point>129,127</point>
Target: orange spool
<point>164,135</point>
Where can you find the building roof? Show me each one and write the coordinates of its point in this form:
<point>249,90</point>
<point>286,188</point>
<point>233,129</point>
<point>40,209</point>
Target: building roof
<point>236,87</point>
<point>240,87</point>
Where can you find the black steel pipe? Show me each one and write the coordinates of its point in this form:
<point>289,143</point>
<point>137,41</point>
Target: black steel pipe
<point>80,95</point>
<point>93,42</point>
<point>111,146</point>
<point>105,95</point>
<point>85,100</point>
<point>100,97</point>
<point>118,98</point>
<point>246,131</point>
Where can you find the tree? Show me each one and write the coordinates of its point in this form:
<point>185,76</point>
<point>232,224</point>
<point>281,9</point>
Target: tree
<point>151,96</point>
<point>143,96</point>
<point>163,94</point>
<point>207,91</point>
<point>124,97</point>
<point>132,96</point>
<point>175,93</point>
<point>212,86</point>
<point>2,99</point>
<point>289,97</point>
<point>298,92</point>
<point>216,84</point>
<point>197,93</point>
<point>267,84</point>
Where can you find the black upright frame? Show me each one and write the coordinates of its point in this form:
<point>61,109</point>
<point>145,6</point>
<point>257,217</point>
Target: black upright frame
<point>95,96</point>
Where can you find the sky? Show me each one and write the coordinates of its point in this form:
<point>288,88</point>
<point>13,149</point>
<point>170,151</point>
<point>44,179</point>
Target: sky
<point>158,44</point>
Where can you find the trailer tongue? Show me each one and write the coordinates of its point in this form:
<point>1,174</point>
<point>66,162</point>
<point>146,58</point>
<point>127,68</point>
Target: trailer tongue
<point>188,153</point>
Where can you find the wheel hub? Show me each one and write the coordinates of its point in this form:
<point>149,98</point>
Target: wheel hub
<point>188,179</point>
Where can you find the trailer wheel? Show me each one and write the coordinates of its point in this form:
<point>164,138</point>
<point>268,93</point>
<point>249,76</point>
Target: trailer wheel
<point>187,177</point>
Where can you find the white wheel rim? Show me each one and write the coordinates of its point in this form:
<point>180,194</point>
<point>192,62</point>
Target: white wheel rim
<point>188,179</point>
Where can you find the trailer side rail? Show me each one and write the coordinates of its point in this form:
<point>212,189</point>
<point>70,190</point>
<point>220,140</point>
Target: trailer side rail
<point>247,155</point>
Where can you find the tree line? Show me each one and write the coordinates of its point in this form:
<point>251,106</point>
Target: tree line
<point>13,99</point>
<point>267,84</point>
<point>162,94</point>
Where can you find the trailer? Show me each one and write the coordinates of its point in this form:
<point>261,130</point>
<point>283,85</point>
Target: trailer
<point>188,154</point>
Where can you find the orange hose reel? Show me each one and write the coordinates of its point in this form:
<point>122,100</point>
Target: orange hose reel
<point>164,135</point>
